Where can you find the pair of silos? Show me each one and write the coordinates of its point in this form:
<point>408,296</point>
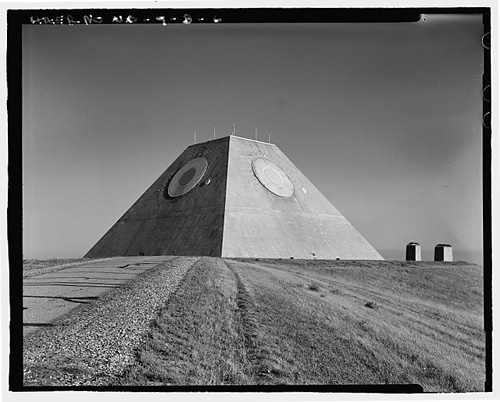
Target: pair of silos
<point>442,252</point>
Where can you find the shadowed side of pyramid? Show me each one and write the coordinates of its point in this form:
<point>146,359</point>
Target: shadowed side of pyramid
<point>180,214</point>
<point>272,210</point>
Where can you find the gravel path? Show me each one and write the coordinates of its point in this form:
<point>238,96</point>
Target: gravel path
<point>94,344</point>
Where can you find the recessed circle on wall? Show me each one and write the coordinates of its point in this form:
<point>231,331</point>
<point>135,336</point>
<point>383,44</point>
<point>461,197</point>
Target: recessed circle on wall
<point>272,177</point>
<point>187,177</point>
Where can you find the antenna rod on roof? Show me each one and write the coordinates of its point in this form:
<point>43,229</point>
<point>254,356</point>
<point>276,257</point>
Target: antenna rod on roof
<point>234,128</point>
<point>255,133</point>
<point>214,132</point>
<point>195,136</point>
<point>269,137</point>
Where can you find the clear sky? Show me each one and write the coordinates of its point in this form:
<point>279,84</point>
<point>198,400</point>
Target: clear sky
<point>385,119</point>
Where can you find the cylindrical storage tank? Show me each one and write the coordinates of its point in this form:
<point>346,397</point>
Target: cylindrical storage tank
<point>443,252</point>
<point>413,252</point>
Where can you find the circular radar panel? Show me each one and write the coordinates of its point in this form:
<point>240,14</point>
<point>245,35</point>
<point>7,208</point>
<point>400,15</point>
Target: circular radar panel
<point>187,177</point>
<point>272,177</point>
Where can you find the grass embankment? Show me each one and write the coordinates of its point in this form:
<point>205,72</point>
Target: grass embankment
<point>324,322</point>
<point>198,338</point>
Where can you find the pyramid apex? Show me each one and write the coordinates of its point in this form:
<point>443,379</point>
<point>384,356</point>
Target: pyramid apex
<point>250,139</point>
<point>230,137</point>
<point>210,141</point>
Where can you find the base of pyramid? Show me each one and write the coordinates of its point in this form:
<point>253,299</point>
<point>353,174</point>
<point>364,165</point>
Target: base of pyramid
<point>293,235</point>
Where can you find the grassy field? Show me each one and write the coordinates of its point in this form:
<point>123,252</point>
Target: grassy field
<point>263,322</point>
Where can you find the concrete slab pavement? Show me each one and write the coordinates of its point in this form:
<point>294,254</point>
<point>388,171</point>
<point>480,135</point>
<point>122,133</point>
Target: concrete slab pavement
<point>47,297</point>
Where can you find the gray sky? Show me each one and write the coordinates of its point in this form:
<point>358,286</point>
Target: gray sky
<point>385,119</point>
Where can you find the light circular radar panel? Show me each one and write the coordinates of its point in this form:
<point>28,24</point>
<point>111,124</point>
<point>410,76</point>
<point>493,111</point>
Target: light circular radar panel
<point>187,177</point>
<point>272,177</point>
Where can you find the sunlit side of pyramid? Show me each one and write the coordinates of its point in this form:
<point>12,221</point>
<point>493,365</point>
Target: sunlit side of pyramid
<point>234,197</point>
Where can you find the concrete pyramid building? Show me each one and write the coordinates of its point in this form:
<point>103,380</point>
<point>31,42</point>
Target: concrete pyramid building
<point>234,197</point>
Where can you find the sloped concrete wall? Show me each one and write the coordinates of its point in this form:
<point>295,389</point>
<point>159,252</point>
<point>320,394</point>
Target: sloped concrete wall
<point>188,225</point>
<point>258,223</point>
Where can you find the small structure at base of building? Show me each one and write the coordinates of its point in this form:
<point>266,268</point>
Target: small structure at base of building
<point>443,252</point>
<point>413,252</point>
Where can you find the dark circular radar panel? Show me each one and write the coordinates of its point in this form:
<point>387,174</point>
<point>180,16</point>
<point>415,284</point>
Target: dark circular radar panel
<point>187,177</point>
<point>272,177</point>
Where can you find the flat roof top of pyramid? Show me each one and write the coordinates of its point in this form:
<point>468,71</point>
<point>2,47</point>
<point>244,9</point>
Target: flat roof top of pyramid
<point>233,136</point>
